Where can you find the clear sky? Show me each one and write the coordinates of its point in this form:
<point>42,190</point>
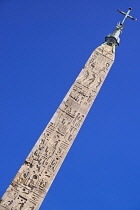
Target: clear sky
<point>43,47</point>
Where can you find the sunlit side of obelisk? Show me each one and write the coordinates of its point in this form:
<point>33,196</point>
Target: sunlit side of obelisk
<point>34,178</point>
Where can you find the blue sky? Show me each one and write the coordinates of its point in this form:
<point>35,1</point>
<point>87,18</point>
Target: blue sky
<point>44,45</point>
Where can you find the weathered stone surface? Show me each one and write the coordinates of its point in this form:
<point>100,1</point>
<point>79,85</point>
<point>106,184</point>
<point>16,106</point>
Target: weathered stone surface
<point>35,176</point>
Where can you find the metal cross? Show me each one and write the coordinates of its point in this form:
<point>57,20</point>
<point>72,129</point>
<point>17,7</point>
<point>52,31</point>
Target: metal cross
<point>126,15</point>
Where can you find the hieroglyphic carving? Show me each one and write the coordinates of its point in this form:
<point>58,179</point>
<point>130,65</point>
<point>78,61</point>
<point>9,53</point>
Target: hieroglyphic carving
<point>34,178</point>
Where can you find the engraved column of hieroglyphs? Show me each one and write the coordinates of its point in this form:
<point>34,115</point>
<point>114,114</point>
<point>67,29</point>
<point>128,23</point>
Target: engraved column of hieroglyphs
<point>34,178</point>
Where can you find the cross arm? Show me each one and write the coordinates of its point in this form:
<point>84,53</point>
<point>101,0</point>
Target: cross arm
<point>126,14</point>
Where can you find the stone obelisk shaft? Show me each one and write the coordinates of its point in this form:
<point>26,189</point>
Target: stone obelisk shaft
<point>30,185</point>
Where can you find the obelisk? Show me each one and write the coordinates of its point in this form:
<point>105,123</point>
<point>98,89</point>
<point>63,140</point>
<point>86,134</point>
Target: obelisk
<point>34,178</point>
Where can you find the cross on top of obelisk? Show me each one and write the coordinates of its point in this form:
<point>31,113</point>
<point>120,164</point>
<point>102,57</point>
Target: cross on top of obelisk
<point>114,39</point>
<point>126,15</point>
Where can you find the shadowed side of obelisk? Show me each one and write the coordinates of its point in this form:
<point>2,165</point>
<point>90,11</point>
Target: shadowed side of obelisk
<point>35,176</point>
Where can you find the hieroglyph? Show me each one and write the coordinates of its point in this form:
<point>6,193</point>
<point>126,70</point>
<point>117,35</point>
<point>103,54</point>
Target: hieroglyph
<point>34,178</point>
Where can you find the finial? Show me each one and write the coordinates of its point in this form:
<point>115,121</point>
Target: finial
<point>113,39</point>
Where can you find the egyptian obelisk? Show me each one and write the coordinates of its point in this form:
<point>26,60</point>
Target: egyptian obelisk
<point>34,178</point>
